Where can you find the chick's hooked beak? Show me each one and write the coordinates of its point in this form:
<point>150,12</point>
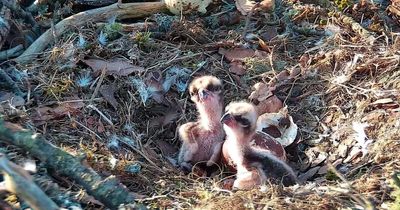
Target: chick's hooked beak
<point>203,94</point>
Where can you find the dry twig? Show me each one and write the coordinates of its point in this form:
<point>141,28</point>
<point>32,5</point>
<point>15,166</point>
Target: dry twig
<point>18,181</point>
<point>129,10</point>
<point>107,190</point>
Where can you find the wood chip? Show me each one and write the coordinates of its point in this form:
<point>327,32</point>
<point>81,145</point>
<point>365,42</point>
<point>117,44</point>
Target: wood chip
<point>309,174</point>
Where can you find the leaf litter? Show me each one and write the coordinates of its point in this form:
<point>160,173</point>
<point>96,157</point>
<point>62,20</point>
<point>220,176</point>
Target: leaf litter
<point>326,71</point>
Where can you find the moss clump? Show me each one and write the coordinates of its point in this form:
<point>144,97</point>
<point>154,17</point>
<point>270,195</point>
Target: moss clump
<point>343,4</point>
<point>112,30</point>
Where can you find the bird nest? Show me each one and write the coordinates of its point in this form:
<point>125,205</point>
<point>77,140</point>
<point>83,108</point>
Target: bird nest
<point>117,96</point>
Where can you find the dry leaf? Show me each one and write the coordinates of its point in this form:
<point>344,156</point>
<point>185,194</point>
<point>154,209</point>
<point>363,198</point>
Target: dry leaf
<point>237,67</point>
<point>236,54</point>
<point>100,128</point>
<point>382,101</point>
<point>320,158</point>
<point>342,150</point>
<point>261,91</point>
<point>116,67</point>
<point>107,91</point>
<point>166,148</point>
<point>244,6</point>
<point>154,82</point>
<point>283,75</point>
<point>45,113</point>
<point>168,117</point>
<point>270,105</point>
<point>270,33</point>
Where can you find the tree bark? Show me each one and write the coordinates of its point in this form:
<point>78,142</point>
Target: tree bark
<point>19,182</point>
<point>107,190</point>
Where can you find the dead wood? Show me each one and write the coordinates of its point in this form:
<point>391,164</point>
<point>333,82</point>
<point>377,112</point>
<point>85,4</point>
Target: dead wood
<point>95,3</point>
<point>356,27</point>
<point>11,53</point>
<point>18,11</point>
<point>4,24</point>
<point>7,83</point>
<point>123,11</point>
<point>107,190</point>
<point>19,182</point>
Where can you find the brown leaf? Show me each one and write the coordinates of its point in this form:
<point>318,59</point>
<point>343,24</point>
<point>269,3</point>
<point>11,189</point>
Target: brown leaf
<point>267,5</point>
<point>261,91</point>
<point>294,72</point>
<point>270,33</point>
<point>45,113</point>
<point>283,75</point>
<point>166,148</point>
<point>236,54</point>
<point>304,61</point>
<point>117,67</point>
<point>107,91</point>
<point>100,128</point>
<point>264,45</point>
<point>237,67</point>
<point>154,81</point>
<point>168,117</point>
<point>270,105</point>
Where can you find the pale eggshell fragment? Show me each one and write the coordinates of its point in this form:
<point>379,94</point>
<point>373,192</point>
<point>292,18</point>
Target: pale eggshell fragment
<point>267,120</point>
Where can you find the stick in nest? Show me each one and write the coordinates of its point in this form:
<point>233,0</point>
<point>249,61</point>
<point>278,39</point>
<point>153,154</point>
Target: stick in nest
<point>107,190</point>
<point>19,182</point>
<point>129,10</point>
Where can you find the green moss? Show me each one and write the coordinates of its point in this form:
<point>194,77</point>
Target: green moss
<point>112,30</point>
<point>396,192</point>
<point>261,65</point>
<point>331,176</point>
<point>343,4</point>
<point>142,38</point>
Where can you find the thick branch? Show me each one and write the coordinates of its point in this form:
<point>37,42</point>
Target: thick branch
<point>124,11</point>
<point>107,190</point>
<point>11,53</point>
<point>18,181</point>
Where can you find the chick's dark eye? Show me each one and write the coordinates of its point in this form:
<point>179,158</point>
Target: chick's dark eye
<point>245,122</point>
<point>212,87</point>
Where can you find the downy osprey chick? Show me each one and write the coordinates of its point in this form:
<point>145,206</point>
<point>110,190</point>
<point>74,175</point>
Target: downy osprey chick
<point>202,140</point>
<point>254,165</point>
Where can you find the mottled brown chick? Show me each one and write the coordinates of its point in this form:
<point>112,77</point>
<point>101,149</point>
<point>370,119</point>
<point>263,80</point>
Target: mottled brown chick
<point>254,165</point>
<point>202,140</point>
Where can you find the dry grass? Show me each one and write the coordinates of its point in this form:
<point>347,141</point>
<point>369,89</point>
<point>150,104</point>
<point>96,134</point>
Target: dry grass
<point>325,100</point>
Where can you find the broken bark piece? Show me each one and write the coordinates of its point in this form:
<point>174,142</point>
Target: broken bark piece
<point>19,182</point>
<point>309,174</point>
<point>108,190</point>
